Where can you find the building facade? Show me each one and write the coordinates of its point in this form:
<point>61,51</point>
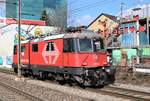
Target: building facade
<point>31,22</point>
<point>105,24</point>
<point>32,9</point>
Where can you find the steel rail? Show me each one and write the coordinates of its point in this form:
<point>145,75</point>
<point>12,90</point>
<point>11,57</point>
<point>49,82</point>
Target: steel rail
<point>125,93</point>
<point>7,71</point>
<point>129,90</point>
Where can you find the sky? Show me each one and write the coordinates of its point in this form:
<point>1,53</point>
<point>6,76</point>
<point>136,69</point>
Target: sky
<point>82,12</point>
<point>2,9</point>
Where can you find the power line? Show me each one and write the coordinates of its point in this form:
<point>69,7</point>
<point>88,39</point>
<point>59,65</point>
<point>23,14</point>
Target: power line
<point>102,4</point>
<point>91,5</point>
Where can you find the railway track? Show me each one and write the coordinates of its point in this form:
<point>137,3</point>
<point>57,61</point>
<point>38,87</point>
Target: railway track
<point>134,95</point>
<point>112,91</point>
<point>29,96</point>
<point>7,71</point>
<point>20,92</point>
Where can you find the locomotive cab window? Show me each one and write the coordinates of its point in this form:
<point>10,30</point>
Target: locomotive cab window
<point>23,48</point>
<point>85,45</point>
<point>34,47</point>
<point>50,46</point>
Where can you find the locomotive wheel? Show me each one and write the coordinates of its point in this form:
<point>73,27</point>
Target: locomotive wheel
<point>15,70</point>
<point>60,78</point>
<point>102,78</point>
<point>41,75</point>
<point>111,79</point>
<point>25,72</point>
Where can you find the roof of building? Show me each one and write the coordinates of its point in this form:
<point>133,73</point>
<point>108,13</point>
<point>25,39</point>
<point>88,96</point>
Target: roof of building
<point>112,17</point>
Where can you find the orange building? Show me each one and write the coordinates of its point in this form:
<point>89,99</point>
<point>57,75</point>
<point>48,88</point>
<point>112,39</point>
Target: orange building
<point>105,24</point>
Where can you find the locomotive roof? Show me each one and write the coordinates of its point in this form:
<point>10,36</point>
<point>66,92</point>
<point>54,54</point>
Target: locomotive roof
<point>82,35</point>
<point>64,36</point>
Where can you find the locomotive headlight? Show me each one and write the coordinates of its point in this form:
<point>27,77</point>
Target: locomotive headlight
<point>108,59</point>
<point>105,63</point>
<point>107,70</point>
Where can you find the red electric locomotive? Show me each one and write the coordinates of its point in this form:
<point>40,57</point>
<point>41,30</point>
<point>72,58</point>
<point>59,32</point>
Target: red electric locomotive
<point>79,57</point>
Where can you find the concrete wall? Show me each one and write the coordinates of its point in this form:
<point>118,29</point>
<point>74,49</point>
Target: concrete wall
<point>117,55</point>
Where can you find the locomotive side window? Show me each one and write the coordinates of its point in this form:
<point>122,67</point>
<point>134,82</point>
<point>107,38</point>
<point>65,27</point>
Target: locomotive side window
<point>15,49</point>
<point>98,44</point>
<point>23,48</point>
<point>68,45</point>
<point>50,46</point>
<point>34,47</point>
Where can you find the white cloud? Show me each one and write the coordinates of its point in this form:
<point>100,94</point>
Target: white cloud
<point>82,20</point>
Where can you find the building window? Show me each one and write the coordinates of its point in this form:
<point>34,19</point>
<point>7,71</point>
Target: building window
<point>50,46</point>
<point>15,49</point>
<point>23,48</point>
<point>34,47</point>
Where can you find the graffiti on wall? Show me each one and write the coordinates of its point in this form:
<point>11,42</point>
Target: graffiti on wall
<point>26,32</point>
<point>33,31</point>
<point>107,27</point>
<point>5,60</point>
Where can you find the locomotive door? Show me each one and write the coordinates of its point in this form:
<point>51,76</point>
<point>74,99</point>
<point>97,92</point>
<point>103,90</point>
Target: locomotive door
<point>65,53</point>
<point>24,54</point>
<point>67,50</point>
<point>66,59</point>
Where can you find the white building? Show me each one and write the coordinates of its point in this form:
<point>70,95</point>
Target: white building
<point>9,37</point>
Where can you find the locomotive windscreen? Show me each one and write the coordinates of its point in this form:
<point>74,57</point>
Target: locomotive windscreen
<point>85,45</point>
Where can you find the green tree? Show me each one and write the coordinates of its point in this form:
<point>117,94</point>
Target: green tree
<point>44,15</point>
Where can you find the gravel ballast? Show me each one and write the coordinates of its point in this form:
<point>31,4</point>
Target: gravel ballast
<point>7,95</point>
<point>54,92</point>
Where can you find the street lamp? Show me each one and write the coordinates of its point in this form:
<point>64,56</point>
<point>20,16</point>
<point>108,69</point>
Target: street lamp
<point>137,36</point>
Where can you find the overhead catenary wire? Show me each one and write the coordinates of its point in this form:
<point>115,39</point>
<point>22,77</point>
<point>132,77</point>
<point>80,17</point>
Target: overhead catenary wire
<point>92,5</point>
<point>76,11</point>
